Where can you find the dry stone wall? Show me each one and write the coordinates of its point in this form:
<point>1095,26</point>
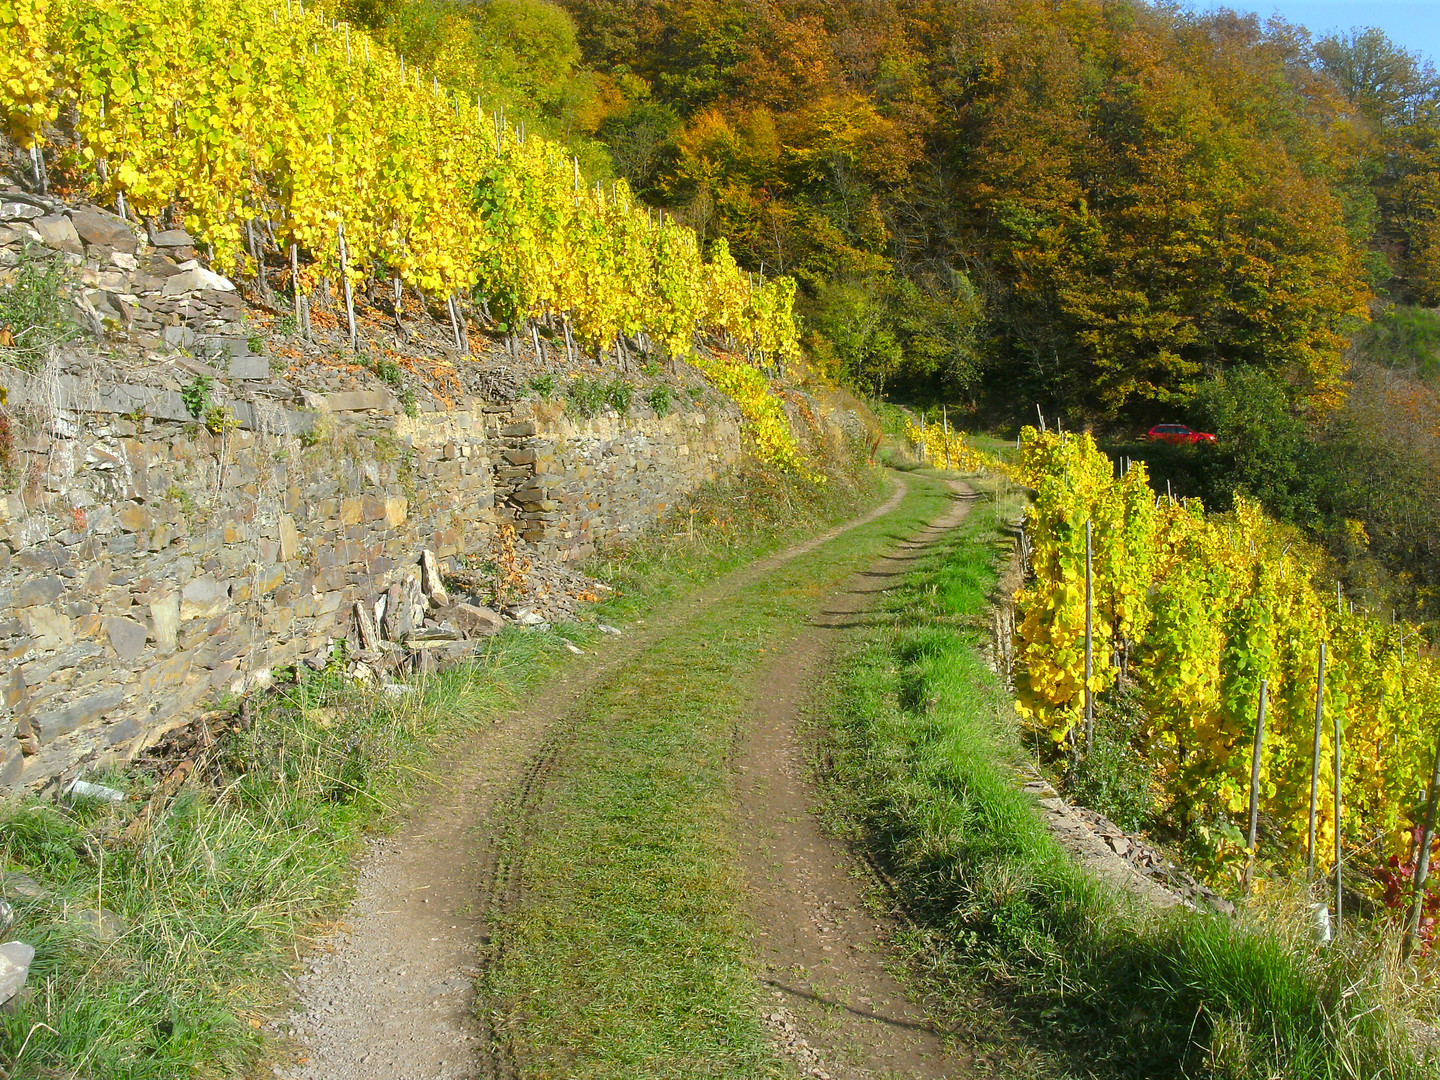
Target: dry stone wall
<point>148,564</point>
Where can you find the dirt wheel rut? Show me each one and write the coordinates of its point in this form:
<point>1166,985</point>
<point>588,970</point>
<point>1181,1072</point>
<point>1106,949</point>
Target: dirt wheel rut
<point>838,1011</point>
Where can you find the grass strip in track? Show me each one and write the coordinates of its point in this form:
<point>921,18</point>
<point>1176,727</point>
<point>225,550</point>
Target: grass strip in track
<point>922,747</point>
<point>627,954</point>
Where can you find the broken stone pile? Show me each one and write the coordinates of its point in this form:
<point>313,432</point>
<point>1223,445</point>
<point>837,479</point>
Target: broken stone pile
<point>1125,859</point>
<point>148,284</point>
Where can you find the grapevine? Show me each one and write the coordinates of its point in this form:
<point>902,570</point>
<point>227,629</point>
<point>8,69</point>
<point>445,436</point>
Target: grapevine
<point>1199,608</point>
<point>240,110</point>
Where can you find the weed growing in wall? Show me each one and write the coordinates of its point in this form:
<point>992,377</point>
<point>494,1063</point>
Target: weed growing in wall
<point>586,395</point>
<point>32,310</point>
<point>619,394</point>
<point>196,395</point>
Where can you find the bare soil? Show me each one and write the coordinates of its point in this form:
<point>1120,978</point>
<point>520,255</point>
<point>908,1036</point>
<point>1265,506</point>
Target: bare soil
<point>838,1011</point>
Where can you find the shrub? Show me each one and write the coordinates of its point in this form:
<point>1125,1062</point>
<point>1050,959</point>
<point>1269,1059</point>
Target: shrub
<point>32,311</point>
<point>586,395</point>
<point>619,394</point>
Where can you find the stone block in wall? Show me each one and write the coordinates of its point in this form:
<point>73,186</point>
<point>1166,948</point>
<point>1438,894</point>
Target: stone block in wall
<point>289,538</point>
<point>165,621</point>
<point>96,226</point>
<point>46,627</point>
<point>353,401</point>
<point>42,590</point>
<point>58,231</point>
<point>52,724</point>
<point>165,674</point>
<point>203,598</point>
<point>127,637</point>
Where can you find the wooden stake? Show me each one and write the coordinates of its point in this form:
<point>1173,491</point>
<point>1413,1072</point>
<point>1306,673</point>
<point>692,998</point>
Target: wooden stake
<point>1315,758</point>
<point>1422,861</point>
<point>945,419</point>
<point>454,320</point>
<point>302,316</point>
<point>1255,779</point>
<point>345,287</point>
<point>1089,641</point>
<point>1338,875</point>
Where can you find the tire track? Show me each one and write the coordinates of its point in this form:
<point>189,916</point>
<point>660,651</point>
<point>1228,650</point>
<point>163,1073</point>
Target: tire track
<point>393,994</point>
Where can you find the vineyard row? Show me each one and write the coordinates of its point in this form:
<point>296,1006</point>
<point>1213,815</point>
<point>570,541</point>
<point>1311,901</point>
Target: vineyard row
<point>246,113</point>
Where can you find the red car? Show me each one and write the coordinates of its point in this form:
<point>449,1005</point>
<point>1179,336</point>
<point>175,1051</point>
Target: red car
<point>1178,434</point>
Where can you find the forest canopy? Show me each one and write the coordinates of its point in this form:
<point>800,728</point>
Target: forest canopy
<point>1121,212</point>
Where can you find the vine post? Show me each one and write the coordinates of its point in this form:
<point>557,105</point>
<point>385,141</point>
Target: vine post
<point>302,309</point>
<point>1339,877</point>
<point>454,319</point>
<point>1089,638</point>
<point>1315,758</point>
<point>345,282</point>
<point>945,420</point>
<point>1422,861</point>
<point>1255,780</point>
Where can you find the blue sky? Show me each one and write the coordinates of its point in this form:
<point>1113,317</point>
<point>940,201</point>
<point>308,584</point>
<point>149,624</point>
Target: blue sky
<point>1413,24</point>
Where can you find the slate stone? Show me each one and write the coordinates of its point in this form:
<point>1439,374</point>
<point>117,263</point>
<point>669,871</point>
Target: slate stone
<point>10,210</point>
<point>102,924</point>
<point>13,884</point>
<point>431,582</point>
<point>178,337</point>
<point>204,598</point>
<point>127,637</point>
<point>359,401</point>
<point>197,278</point>
<point>171,238</point>
<point>96,226</point>
<point>58,231</point>
<point>15,959</point>
<point>475,619</point>
<point>37,591</point>
<point>165,621</point>
<point>248,367</point>
<point>51,725</point>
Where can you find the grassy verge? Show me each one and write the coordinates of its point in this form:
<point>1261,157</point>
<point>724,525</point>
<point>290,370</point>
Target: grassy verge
<point>215,893</point>
<point>922,748</point>
<point>211,896</point>
<point>627,954</point>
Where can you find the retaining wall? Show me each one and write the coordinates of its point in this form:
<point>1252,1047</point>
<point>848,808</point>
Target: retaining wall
<point>147,564</point>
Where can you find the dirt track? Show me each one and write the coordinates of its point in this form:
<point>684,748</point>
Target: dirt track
<point>823,952</point>
<point>393,997</point>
